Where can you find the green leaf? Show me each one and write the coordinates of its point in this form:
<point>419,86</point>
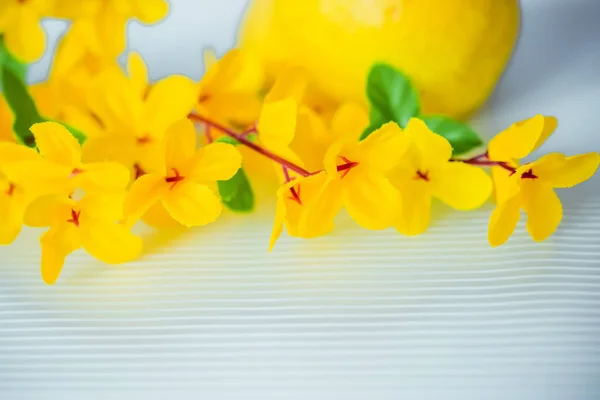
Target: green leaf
<point>392,96</point>
<point>7,60</point>
<point>462,138</point>
<point>228,140</point>
<point>22,106</point>
<point>236,193</point>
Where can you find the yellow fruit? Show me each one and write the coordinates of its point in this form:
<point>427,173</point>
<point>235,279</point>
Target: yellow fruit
<point>453,50</point>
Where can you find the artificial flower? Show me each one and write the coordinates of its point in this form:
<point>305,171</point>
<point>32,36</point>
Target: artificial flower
<point>427,171</point>
<point>228,91</point>
<point>14,194</point>
<point>356,179</point>
<point>100,24</point>
<point>90,223</point>
<point>181,180</point>
<point>531,186</point>
<point>129,128</point>
<point>60,169</point>
<point>21,27</point>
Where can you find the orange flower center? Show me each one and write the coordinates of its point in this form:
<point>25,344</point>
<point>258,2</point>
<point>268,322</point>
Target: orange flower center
<point>11,189</point>
<point>144,139</point>
<point>528,175</point>
<point>295,194</point>
<point>346,167</point>
<point>175,179</point>
<point>74,217</point>
<point>138,171</point>
<point>422,175</point>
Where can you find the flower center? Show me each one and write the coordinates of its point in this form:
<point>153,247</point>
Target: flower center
<point>11,189</point>
<point>345,168</point>
<point>528,175</point>
<point>204,98</point>
<point>75,172</point>
<point>74,217</point>
<point>295,194</point>
<point>138,171</point>
<point>144,139</point>
<point>422,175</point>
<point>176,178</point>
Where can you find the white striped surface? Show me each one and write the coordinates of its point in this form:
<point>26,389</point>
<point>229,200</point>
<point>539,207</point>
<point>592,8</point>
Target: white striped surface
<point>366,312</point>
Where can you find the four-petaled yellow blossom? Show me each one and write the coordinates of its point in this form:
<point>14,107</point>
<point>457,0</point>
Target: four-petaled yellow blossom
<point>91,223</point>
<point>531,186</point>
<point>21,28</point>
<point>14,194</point>
<point>228,92</point>
<point>181,180</point>
<point>357,180</point>
<point>60,169</point>
<point>426,171</point>
<point>100,24</point>
<point>129,127</point>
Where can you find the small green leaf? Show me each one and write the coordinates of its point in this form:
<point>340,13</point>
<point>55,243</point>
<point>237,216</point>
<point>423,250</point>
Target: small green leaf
<point>236,193</point>
<point>22,106</point>
<point>462,138</point>
<point>228,140</point>
<point>392,96</point>
<point>7,60</point>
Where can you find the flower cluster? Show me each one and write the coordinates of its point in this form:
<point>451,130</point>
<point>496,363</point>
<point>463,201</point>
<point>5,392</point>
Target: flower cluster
<point>176,152</point>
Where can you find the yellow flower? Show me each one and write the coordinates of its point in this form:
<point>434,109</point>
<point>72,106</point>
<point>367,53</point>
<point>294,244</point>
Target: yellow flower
<point>60,170</point>
<point>180,183</point>
<point>131,127</point>
<point>20,25</point>
<point>293,199</point>
<point>100,24</point>
<point>90,223</point>
<point>14,195</point>
<point>426,171</point>
<point>531,186</point>
<point>314,135</point>
<point>356,179</point>
<point>228,91</point>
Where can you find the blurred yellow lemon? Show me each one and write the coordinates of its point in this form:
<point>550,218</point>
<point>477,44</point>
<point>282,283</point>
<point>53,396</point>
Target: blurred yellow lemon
<point>453,50</point>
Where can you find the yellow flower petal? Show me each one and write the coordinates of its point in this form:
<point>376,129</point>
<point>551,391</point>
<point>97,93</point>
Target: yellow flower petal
<point>280,213</point>
<point>109,242</point>
<point>180,144</point>
<point>462,186</point>
<point>321,208</point>
<point>349,121</point>
<point>233,108</point>
<point>11,153</point>
<point>505,184</point>
<point>49,210</point>
<point>413,216</point>
<point>521,138</point>
<point>109,148</point>
<point>192,204</point>
<point>27,39</point>
<point>102,177</point>
<point>384,148</point>
<point>543,208</point>
<point>210,58</point>
<point>566,172</point>
<point>40,176</point>
<point>291,83</point>
<point>277,123</point>
<point>137,71</point>
<point>432,148</point>
<point>57,243</point>
<point>170,100</point>
<point>503,220</point>
<point>105,206</point>
<point>12,208</point>
<point>216,162</point>
<point>151,11</point>
<point>143,194</point>
<point>158,217</point>
<point>371,200</point>
<point>56,143</point>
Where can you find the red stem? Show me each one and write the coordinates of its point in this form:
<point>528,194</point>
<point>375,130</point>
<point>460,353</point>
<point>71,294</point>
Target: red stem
<point>482,160</point>
<point>240,138</point>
